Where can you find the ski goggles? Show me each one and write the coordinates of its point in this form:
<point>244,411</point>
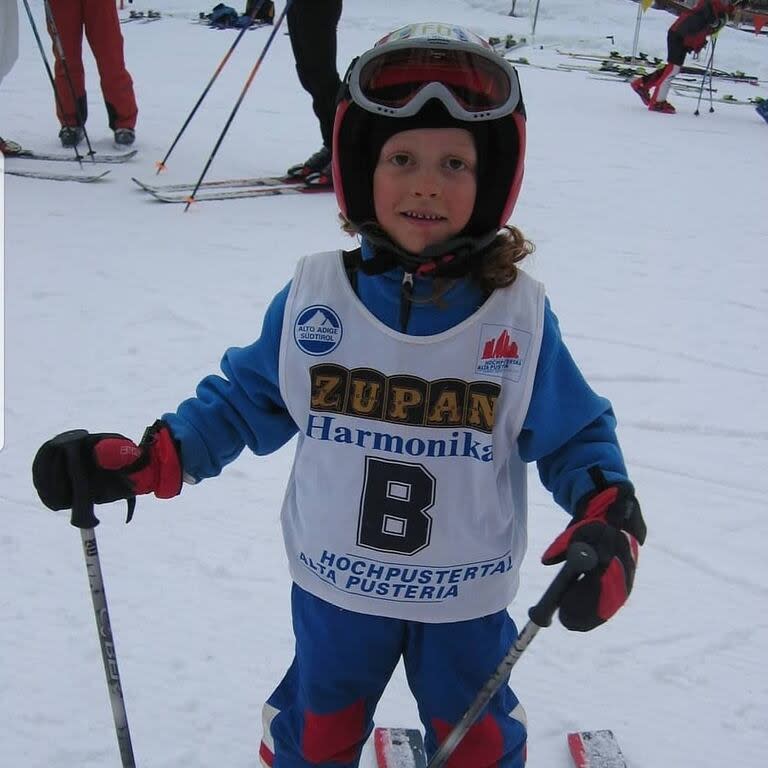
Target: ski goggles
<point>404,71</point>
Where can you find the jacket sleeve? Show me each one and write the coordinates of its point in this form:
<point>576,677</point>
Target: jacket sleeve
<point>568,427</point>
<point>242,408</point>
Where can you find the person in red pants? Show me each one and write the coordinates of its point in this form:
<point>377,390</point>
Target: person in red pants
<point>67,19</point>
<point>687,34</point>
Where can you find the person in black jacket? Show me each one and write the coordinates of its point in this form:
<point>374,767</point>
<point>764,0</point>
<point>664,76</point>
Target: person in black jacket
<point>688,34</point>
<point>312,29</point>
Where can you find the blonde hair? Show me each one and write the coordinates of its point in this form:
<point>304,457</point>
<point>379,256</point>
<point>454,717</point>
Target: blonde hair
<point>496,266</point>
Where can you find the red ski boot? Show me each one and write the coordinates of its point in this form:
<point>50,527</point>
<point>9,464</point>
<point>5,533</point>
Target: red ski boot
<point>662,106</point>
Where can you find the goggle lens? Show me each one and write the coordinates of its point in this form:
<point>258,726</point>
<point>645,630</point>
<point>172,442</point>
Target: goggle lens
<point>394,78</point>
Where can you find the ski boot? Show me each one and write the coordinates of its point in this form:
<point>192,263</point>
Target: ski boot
<point>318,163</point>
<point>320,179</point>
<point>662,106</point>
<point>124,137</point>
<point>640,88</point>
<point>71,135</point>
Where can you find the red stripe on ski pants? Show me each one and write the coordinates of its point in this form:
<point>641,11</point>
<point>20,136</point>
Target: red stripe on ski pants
<point>99,20</point>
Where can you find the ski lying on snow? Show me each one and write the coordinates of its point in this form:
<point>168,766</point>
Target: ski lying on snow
<point>752,102</point>
<point>595,749</point>
<point>237,194</point>
<point>614,57</point>
<point>257,181</point>
<point>142,17</point>
<point>97,157</point>
<point>523,62</point>
<point>642,59</point>
<point>399,748</point>
<point>83,179</point>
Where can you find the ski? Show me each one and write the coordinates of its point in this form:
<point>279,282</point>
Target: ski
<point>142,16</point>
<point>690,86</point>
<point>606,68</point>
<point>725,99</point>
<point>83,179</point>
<point>614,57</point>
<point>613,78</point>
<point>238,194</point>
<point>133,16</point>
<point>595,749</point>
<point>399,748</point>
<point>503,44</point>
<point>524,62</point>
<point>642,59</point>
<point>60,157</point>
<point>257,181</point>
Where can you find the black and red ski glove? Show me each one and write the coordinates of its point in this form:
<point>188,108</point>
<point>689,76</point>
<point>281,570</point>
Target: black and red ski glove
<point>113,467</point>
<point>609,519</point>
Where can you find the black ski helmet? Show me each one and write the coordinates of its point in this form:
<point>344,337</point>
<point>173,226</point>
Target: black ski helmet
<point>431,75</point>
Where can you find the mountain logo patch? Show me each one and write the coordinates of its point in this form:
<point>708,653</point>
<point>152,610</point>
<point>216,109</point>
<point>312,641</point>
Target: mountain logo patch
<point>317,330</point>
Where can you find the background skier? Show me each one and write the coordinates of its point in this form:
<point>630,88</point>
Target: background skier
<point>687,34</point>
<point>312,28</point>
<point>99,21</point>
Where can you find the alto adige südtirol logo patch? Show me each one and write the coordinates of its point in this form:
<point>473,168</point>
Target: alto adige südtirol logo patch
<point>317,330</point>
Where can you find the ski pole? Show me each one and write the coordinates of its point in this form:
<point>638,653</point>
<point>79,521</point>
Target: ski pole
<point>703,79</point>
<point>65,66</point>
<point>84,518</point>
<point>191,198</point>
<point>712,72</point>
<point>48,69</point>
<point>581,558</point>
<point>161,163</point>
<point>535,19</point>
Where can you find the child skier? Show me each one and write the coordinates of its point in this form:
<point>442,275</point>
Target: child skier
<point>421,372</point>
<point>687,34</point>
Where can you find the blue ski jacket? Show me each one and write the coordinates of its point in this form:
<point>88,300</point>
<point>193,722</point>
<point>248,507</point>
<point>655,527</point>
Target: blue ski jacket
<point>567,430</point>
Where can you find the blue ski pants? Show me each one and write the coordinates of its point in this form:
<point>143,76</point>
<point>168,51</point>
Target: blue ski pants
<point>322,711</point>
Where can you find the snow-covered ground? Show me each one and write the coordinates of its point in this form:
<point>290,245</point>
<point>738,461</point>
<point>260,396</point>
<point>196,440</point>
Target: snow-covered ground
<point>651,237</point>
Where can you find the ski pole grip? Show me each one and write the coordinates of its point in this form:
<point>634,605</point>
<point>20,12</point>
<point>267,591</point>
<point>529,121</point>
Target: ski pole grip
<point>580,559</point>
<point>82,505</point>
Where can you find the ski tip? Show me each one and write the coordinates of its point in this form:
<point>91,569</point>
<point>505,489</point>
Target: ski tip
<point>399,748</point>
<point>576,748</point>
<point>82,178</point>
<point>595,749</point>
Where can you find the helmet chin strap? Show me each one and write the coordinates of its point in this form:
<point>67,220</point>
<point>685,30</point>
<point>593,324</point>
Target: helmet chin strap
<point>450,258</point>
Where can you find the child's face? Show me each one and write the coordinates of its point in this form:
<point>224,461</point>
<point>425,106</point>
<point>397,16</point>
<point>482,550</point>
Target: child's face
<point>424,185</point>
